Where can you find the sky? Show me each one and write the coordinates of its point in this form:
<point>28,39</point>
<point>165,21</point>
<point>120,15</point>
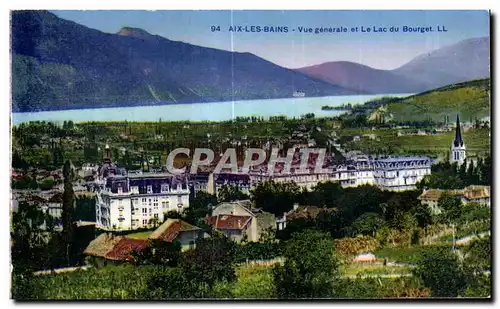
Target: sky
<point>381,50</point>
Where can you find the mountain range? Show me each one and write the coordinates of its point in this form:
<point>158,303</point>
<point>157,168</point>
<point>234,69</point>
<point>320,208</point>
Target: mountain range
<point>460,62</point>
<point>59,64</point>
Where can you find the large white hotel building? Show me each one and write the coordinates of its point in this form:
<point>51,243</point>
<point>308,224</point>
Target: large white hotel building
<point>131,201</point>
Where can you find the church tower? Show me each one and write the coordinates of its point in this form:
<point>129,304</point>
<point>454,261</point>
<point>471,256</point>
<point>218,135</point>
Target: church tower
<point>457,154</point>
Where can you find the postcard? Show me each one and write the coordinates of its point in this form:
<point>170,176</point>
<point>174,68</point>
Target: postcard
<point>250,155</point>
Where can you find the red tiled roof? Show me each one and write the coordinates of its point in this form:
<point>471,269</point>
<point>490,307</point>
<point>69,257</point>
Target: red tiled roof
<point>470,193</point>
<point>477,192</point>
<point>435,194</point>
<point>228,222</point>
<point>304,212</point>
<point>123,249</point>
<point>169,230</point>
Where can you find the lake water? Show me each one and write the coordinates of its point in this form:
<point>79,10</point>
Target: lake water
<point>215,111</point>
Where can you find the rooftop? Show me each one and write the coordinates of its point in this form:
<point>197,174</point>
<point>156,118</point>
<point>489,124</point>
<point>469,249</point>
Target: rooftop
<point>171,228</point>
<point>471,192</point>
<point>228,222</point>
<point>124,248</point>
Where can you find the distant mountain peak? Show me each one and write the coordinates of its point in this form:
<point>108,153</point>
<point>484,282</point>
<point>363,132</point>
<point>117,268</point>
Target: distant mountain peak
<point>135,33</point>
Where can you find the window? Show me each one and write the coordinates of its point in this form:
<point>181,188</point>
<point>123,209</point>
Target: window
<point>164,204</point>
<point>144,200</point>
<point>155,216</point>
<point>150,189</point>
<point>164,188</point>
<point>120,190</point>
<point>144,221</point>
<point>144,210</point>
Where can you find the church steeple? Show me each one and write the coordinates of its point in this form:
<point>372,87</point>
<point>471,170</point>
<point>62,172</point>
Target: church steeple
<point>458,142</point>
<point>457,154</point>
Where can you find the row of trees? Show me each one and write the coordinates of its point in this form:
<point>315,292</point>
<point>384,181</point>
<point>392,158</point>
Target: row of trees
<point>446,175</point>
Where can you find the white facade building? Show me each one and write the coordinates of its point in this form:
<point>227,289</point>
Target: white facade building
<point>131,201</point>
<point>388,173</point>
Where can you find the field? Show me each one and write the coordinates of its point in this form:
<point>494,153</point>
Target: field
<point>471,99</point>
<point>368,269</point>
<point>140,235</point>
<point>476,140</point>
<point>254,282</point>
<point>405,254</point>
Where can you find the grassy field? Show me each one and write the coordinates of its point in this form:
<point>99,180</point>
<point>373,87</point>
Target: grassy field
<point>405,254</point>
<point>140,235</point>
<point>470,99</point>
<point>254,282</point>
<point>354,269</point>
<point>477,142</point>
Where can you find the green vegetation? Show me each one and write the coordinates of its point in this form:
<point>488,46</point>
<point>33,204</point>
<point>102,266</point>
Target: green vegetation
<point>441,270</point>
<point>470,99</point>
<point>369,269</point>
<point>140,235</point>
<point>436,145</point>
<point>451,176</point>
<point>406,254</point>
<point>316,248</point>
<point>253,282</point>
<point>308,273</point>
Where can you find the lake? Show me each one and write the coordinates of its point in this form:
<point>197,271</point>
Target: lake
<point>215,111</point>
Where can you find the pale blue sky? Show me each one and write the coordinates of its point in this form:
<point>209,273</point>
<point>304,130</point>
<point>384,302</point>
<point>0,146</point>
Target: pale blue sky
<point>293,49</point>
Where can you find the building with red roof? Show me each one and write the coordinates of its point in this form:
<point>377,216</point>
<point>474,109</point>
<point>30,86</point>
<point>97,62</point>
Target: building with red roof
<point>235,227</point>
<point>177,230</point>
<point>124,248</point>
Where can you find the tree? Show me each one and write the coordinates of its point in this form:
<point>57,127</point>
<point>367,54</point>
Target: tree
<point>367,224</point>
<point>171,284</point>
<point>212,260</point>
<point>325,194</point>
<point>485,170</point>
<point>450,206</point>
<point>67,207</point>
<point>478,254</point>
<point>478,263</point>
<point>310,267</point>
<point>229,193</point>
<point>199,207</point>
<point>423,215</point>
<point>153,221</point>
<point>159,252</point>
<point>84,209</point>
<point>275,197</point>
<point>441,271</point>
<point>29,250</point>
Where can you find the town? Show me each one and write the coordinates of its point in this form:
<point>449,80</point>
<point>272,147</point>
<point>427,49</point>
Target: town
<point>156,157</point>
<point>120,214</point>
